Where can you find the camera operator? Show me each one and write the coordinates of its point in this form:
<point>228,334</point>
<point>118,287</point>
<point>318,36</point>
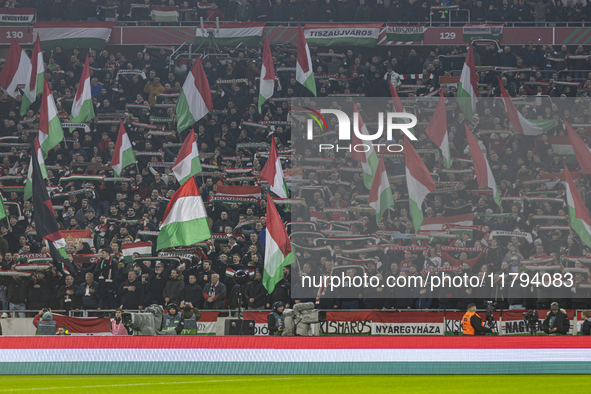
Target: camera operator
<point>472,324</point>
<point>173,320</point>
<point>556,321</point>
<point>276,320</point>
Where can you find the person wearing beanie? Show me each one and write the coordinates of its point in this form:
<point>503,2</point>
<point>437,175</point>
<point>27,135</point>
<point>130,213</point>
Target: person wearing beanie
<point>45,323</point>
<point>556,322</point>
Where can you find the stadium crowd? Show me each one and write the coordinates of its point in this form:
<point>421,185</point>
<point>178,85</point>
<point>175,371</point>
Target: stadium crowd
<point>328,193</point>
<point>520,11</point>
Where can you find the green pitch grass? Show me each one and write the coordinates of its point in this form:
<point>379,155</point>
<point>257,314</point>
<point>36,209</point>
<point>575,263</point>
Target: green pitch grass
<point>290,384</point>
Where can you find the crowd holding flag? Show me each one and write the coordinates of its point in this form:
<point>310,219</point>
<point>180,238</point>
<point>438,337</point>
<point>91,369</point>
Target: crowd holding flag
<point>437,131</point>
<point>468,86</point>
<point>380,195</point>
<point>418,181</point>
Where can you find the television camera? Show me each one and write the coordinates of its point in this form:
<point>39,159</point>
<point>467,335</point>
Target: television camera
<point>299,319</point>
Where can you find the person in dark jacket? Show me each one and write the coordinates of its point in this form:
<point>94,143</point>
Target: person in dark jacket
<point>279,12</point>
<point>586,327</point>
<point>281,291</point>
<point>472,323</point>
<point>131,293</point>
<point>214,293</point>
<point>556,322</point>
<point>255,292</point>
<point>192,293</point>
<point>39,292</point>
<point>88,293</point>
<point>17,295</point>
<point>173,289</point>
<point>66,295</point>
<point>157,279</point>
<point>294,10</point>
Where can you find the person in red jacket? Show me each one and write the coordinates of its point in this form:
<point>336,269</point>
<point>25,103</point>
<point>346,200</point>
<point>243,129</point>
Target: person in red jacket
<point>214,12</point>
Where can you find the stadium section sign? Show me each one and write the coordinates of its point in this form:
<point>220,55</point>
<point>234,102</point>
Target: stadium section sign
<point>342,34</point>
<point>405,33</point>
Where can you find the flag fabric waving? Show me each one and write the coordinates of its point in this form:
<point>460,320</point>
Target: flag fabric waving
<point>82,108</point>
<point>34,85</point>
<point>123,154</point>
<point>2,207</point>
<point>277,247</point>
<point>195,99</point>
<point>267,83</point>
<point>578,214</point>
<point>437,130</point>
<point>273,173</point>
<point>29,185</point>
<point>582,151</point>
<point>380,195</point>
<point>518,121</point>
<point>369,160</point>
<point>468,87</point>
<point>50,125</point>
<point>187,163</point>
<point>16,70</point>
<point>304,71</point>
<point>419,182</point>
<point>43,214</point>
<point>185,220</point>
<point>484,175</point>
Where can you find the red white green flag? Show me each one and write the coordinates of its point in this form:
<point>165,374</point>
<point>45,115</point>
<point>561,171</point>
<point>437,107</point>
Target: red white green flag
<point>185,220</point>
<point>187,163</point>
<point>277,248</point>
<point>15,71</point>
<point>82,108</point>
<point>380,195</point>
<point>369,160</point>
<point>418,182</point>
<point>582,151</point>
<point>123,154</point>
<point>195,99</point>
<point>273,173</point>
<point>304,71</point>
<point>468,86</point>
<point>577,212</point>
<point>484,175</point>
<point>34,85</point>
<point>437,130</point>
<point>267,83</point>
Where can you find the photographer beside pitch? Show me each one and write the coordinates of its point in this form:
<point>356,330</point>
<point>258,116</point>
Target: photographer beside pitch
<point>556,322</point>
<point>472,323</point>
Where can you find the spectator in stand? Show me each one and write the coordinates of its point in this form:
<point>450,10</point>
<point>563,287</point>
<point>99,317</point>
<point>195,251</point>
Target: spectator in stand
<point>88,293</point>
<point>214,293</point>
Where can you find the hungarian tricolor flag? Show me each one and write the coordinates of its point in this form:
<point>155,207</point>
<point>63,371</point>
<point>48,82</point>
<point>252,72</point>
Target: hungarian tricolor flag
<point>142,248</point>
<point>398,106</point>
<point>277,247</point>
<point>380,195</point>
<point>484,175</point>
<point>267,84</point>
<point>43,214</point>
<point>418,182</point>
<point>185,220</point>
<point>195,99</point>
<point>273,173</point>
<point>468,87</point>
<point>369,160</point>
<point>582,151</point>
<point>577,212</point>
<point>123,154</point>
<point>437,130</point>
<point>187,163</point>
<point>50,125</point>
<point>16,70</point>
<point>82,108</point>
<point>518,121</point>
<point>34,85</point>
<point>304,71</point>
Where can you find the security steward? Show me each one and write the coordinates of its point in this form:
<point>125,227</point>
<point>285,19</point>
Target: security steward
<point>276,320</point>
<point>173,320</point>
<point>472,324</point>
